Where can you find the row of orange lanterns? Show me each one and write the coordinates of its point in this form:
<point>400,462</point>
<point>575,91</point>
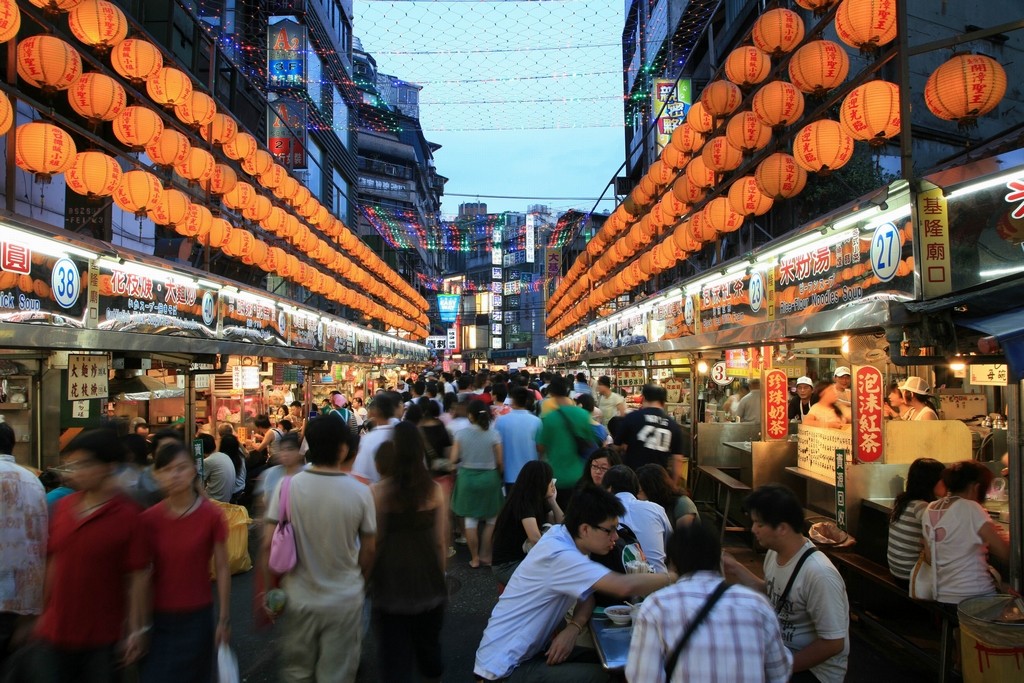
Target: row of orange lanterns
<point>693,163</point>
<point>51,64</point>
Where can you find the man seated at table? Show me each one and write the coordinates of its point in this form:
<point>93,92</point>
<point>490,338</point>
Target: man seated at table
<point>647,520</point>
<point>527,637</point>
<point>739,639</point>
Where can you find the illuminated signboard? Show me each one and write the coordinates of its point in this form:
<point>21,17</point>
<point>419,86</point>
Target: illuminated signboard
<point>448,307</point>
<point>286,49</point>
<point>670,105</point>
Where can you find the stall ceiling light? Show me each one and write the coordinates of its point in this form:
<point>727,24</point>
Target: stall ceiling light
<point>143,270</point>
<point>46,246</point>
<point>985,184</point>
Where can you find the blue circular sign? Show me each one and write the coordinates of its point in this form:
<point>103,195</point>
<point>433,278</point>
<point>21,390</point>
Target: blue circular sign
<point>65,283</point>
<point>886,248</point>
<point>755,291</point>
<point>209,308</point>
<point>688,312</point>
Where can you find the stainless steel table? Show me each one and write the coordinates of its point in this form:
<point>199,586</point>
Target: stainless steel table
<point>611,641</point>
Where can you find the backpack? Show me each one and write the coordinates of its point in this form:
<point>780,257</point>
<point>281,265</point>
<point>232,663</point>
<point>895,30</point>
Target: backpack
<point>627,549</point>
<point>348,417</point>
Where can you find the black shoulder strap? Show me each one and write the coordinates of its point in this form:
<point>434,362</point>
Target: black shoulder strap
<point>792,578</point>
<point>670,663</point>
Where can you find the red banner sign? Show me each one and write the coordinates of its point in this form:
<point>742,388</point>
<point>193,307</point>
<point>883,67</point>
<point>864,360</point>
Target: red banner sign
<point>776,405</point>
<point>867,413</point>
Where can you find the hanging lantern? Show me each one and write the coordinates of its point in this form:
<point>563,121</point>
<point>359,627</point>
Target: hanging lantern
<point>819,66</point>
<point>699,174</point>
<point>300,197</point>
<point>169,87</point>
<point>822,147</point>
<point>671,207</point>
<point>866,24</point>
<point>97,97</point>
<point>168,149</point>
<point>276,221</point>
<point>779,176</point>
<point>746,132</point>
<point>660,173</point>
<point>699,118</point>
<point>778,31</point>
<point>6,114</point>
<point>240,147</point>
<point>93,174</point>
<point>720,98</point>
<point>673,157</point>
<point>746,198</point>
<point>48,63</point>
<point>258,256</point>
<point>964,88</point>
<point>308,208</point>
<point>686,191</point>
<point>292,226</point>
<point>722,217</point>
<point>700,228</point>
<point>240,197</point>
<point>684,240</point>
<point>720,156</point>
<point>136,60</point>
<point>170,209</point>
<point>321,216</point>
<point>198,220</point>
<point>221,181</point>
<point>221,130</point>
<point>137,192</point>
<point>260,208</point>
<point>56,6</point>
<point>871,112</point>
<point>686,138</point>
<point>240,243</point>
<point>287,189</point>
<point>819,7</point>
<point>197,110</point>
<point>258,163</point>
<point>273,177</point>
<point>99,24</point>
<point>197,167</point>
<point>778,104</point>
<point>136,127</point>
<point>747,65</point>
<point>10,20</point>
<point>220,233</point>
<point>43,149</point>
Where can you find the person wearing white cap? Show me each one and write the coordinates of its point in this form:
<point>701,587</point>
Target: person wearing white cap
<point>801,404</point>
<point>844,397</point>
<point>916,394</point>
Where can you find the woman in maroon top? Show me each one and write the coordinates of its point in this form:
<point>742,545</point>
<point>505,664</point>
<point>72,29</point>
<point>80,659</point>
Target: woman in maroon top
<point>183,532</point>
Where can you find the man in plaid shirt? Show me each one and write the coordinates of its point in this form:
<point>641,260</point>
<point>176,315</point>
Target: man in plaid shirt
<point>738,642</point>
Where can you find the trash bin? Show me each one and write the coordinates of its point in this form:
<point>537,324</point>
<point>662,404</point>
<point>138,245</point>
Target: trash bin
<point>991,639</point>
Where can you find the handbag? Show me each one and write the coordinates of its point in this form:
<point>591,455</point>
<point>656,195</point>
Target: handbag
<point>584,447</point>
<point>670,663</point>
<point>922,579</point>
<point>283,555</point>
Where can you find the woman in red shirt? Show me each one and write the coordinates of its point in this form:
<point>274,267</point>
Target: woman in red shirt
<point>183,532</point>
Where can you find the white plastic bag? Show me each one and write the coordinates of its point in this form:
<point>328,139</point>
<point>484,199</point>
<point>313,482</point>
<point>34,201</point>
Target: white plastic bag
<point>227,665</point>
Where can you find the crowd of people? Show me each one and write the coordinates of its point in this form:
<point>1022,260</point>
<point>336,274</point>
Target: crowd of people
<point>570,500</point>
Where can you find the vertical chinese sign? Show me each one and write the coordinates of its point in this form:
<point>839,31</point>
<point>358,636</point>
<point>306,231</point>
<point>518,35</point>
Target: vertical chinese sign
<point>670,105</point>
<point>87,377</point>
<point>286,53</point>
<point>776,405</point>
<point>933,233</point>
<point>841,488</point>
<point>867,413</point>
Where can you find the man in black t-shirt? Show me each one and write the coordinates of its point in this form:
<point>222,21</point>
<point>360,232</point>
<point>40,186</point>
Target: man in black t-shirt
<point>649,435</point>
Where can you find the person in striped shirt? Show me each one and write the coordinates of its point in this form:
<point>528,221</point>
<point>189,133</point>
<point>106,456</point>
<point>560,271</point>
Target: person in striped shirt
<point>924,484</point>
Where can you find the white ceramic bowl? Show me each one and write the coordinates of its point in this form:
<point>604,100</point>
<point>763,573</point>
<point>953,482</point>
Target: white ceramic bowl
<point>620,615</point>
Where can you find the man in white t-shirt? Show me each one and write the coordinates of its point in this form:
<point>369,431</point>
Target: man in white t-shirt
<point>382,414</point>
<point>527,637</point>
<point>815,615</point>
<point>648,520</point>
<point>608,402</point>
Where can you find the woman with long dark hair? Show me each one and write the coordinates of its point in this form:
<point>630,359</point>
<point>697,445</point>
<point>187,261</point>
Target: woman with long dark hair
<point>526,510</point>
<point>656,485</point>
<point>477,497</point>
<point>230,446</point>
<point>407,581</point>
<point>924,484</point>
<point>824,412</point>
<point>598,462</point>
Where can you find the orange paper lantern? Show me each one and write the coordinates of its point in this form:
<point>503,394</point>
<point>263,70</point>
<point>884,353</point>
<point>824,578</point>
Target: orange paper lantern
<point>300,197</point>
<point>819,66</point>
<point>221,181</point>
<point>673,157</point>
<point>746,132</point>
<point>136,60</point>
<point>778,31</point>
<point>686,139</point>
<point>274,176</point>
<point>43,149</point>
<point>722,217</point>
<point>871,112</point>
<point>288,188</point>
<point>240,147</point>
<point>198,166</point>
<point>816,6</point>
<point>198,220</point>
<point>720,156</point>
<point>240,197</point>
<point>137,192</point>
<point>276,221</point>
<point>220,233</point>
<point>720,98</point>
<point>97,97</point>
<point>137,127</point>
<point>258,256</point>
<point>780,177</point>
<point>686,191</point>
<point>168,149</point>
<point>747,65</point>
<point>56,6</point>
<point>221,130</point>
<point>699,173</point>
<point>660,173</point>
<point>746,198</point>
<point>93,174</point>
<point>866,24</point>
<point>822,147</point>
<point>684,240</point>
<point>240,243</point>
<point>778,104</point>
<point>260,208</point>
<point>964,88</point>
<point>171,208</point>
<point>700,227</point>
<point>699,118</point>
<point>98,23</point>
<point>257,163</point>
<point>198,109</point>
<point>671,207</point>
<point>48,63</point>
<point>169,87</point>
<point>10,20</point>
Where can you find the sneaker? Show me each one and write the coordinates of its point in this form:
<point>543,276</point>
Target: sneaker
<point>451,551</point>
<point>460,539</point>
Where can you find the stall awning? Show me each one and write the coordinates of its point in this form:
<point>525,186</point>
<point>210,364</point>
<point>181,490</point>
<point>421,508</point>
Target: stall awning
<point>1008,328</point>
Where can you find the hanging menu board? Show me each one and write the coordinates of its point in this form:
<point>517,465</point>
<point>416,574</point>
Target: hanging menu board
<point>338,338</point>
<point>87,377</point>
<point>247,319</point>
<point>131,302</point>
<point>305,331</point>
<point>40,289</point>
<point>733,303</point>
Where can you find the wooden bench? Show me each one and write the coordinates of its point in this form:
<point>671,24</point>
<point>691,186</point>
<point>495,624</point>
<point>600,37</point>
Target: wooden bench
<point>721,482</point>
<point>878,576</point>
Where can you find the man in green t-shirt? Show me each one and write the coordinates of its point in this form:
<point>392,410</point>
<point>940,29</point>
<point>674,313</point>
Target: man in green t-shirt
<point>557,440</point>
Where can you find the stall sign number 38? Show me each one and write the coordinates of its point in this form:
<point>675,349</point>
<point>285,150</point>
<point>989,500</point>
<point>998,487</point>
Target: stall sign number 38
<point>655,438</point>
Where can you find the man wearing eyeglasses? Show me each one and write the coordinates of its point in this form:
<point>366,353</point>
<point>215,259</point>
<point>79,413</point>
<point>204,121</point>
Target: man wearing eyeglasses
<point>527,637</point>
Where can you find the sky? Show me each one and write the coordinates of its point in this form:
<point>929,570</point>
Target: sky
<point>525,98</point>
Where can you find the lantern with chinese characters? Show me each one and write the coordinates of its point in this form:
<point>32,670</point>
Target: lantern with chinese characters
<point>197,167</point>
<point>720,156</point>
<point>321,216</point>
<point>53,7</point>
<point>240,147</point>
<point>240,243</point>
<point>221,130</point>
<point>288,188</point>
<point>169,87</point>
<point>258,255</point>
<point>10,20</point>
<point>778,31</point>
<point>673,157</point>
<point>99,24</point>
<point>746,198</point>
<point>699,174</point>
<point>6,114</point>
<point>168,149</point>
<point>220,233</point>
<point>136,127</point>
<point>686,191</point>
<point>308,208</point>
<point>822,147</point>
<point>259,209</point>
<point>699,118</point>
<point>221,181</point>
<point>276,221</point>
<point>866,24</point>
<point>721,215</point>
<point>779,176</point>
<point>93,174</point>
<point>274,176</point>
<point>171,209</point>
<point>197,221</point>
<point>819,66</point>
<point>136,60</point>
<point>746,132</point>
<point>700,228</point>
<point>137,192</point>
<point>257,163</point>
<point>871,112</point>
<point>686,139</point>
<point>97,97</point>
<point>671,207</point>
<point>660,173</point>
<point>197,110</point>
<point>720,98</point>
<point>964,88</point>
<point>778,104</point>
<point>48,63</point>
<point>819,7</point>
<point>43,150</point>
<point>300,197</point>
<point>747,65</point>
<point>240,197</point>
